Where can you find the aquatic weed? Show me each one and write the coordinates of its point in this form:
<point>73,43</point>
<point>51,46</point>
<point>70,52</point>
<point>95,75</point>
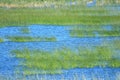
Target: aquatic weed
<point>29,38</point>
<point>53,62</point>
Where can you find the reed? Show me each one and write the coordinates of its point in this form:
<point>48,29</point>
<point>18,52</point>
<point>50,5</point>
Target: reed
<point>38,61</point>
<point>1,40</point>
<point>30,39</point>
<point>94,31</point>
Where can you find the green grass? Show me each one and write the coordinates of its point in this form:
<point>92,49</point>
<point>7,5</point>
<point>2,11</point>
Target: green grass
<point>95,27</point>
<point>71,15</point>
<point>38,61</point>
<point>1,40</point>
<point>21,14</point>
<point>30,39</point>
<point>79,33</point>
<point>117,44</point>
<point>94,31</point>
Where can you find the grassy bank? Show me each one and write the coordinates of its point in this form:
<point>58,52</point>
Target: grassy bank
<point>62,16</point>
<point>30,39</point>
<point>37,61</point>
<point>63,12</point>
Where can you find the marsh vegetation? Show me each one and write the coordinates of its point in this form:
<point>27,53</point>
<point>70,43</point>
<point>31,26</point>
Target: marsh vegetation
<point>72,15</point>
<point>65,58</point>
<point>95,31</point>
<point>1,40</point>
<point>30,39</point>
<point>99,20</point>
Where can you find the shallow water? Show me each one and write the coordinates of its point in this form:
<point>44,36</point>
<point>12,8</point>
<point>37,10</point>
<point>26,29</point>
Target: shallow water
<point>9,63</point>
<point>84,74</point>
<point>37,30</point>
<point>96,73</point>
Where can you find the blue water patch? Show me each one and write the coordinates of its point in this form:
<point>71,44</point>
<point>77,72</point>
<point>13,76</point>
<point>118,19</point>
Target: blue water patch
<point>37,31</point>
<point>48,31</point>
<point>7,62</point>
<point>6,31</point>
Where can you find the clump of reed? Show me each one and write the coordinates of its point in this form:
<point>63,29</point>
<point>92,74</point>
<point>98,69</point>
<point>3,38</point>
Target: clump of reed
<point>94,31</point>
<point>30,39</point>
<point>1,40</point>
<point>41,62</point>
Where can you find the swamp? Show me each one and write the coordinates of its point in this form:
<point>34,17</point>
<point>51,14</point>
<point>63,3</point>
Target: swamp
<point>59,40</point>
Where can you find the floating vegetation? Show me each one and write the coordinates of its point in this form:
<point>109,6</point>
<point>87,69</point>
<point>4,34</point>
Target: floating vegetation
<point>1,40</point>
<point>95,31</point>
<point>25,30</point>
<point>30,39</point>
<point>79,33</point>
<point>51,62</point>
